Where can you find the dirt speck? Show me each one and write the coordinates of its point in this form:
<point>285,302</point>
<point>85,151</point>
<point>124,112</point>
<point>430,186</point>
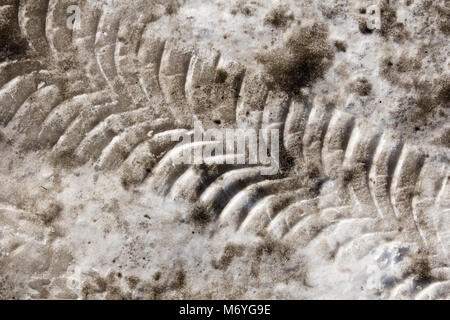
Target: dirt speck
<point>243,8</point>
<point>390,27</point>
<point>171,8</point>
<point>394,69</point>
<point>340,45</point>
<point>361,86</point>
<point>50,212</point>
<point>221,76</point>
<point>269,247</point>
<point>12,45</point>
<point>231,250</point>
<point>422,271</point>
<point>363,28</point>
<point>304,58</point>
<point>444,18</point>
<point>278,17</point>
<point>178,281</point>
<point>132,281</point>
<point>157,276</point>
<point>200,216</point>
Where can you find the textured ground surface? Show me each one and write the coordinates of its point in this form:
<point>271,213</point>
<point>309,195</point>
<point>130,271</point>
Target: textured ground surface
<point>92,206</point>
